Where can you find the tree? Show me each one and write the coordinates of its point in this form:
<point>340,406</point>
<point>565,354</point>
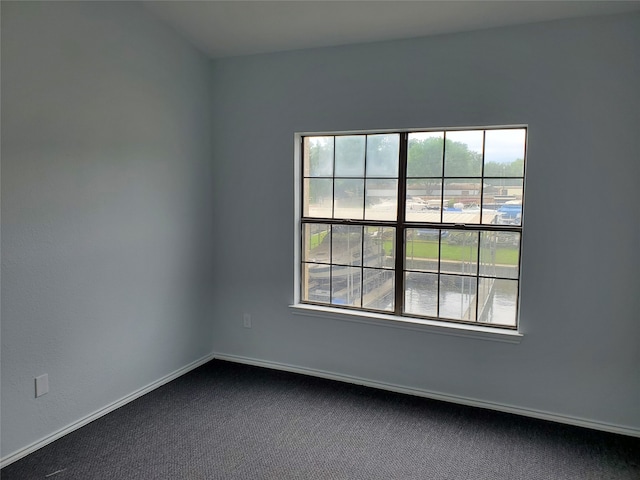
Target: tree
<point>459,161</point>
<point>425,158</point>
<point>497,169</point>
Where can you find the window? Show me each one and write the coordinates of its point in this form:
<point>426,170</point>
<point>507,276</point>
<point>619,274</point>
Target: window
<point>423,224</point>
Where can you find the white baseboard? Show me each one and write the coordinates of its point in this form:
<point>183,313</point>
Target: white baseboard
<point>101,412</point>
<point>526,412</point>
<point>581,422</point>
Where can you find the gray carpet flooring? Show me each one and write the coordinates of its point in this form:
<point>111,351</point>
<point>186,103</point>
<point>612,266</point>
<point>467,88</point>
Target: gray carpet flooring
<point>231,421</point>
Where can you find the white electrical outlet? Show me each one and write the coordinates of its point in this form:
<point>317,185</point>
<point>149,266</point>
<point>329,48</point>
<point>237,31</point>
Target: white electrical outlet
<point>246,320</point>
<point>42,385</point>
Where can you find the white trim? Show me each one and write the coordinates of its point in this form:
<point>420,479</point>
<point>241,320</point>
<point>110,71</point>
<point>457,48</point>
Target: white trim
<point>408,323</point>
<point>424,325</point>
<point>473,402</point>
<point>297,210</point>
<point>101,412</point>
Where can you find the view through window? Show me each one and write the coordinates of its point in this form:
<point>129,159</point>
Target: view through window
<point>424,224</point>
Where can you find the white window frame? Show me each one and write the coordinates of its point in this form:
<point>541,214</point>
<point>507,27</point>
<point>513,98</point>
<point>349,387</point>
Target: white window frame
<point>391,320</point>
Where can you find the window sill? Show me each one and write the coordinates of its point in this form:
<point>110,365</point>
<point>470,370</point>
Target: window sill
<point>426,326</point>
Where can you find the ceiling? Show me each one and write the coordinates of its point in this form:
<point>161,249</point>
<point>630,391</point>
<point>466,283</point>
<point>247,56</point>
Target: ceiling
<point>235,27</point>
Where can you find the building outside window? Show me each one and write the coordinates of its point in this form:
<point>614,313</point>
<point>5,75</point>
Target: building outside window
<point>424,224</point>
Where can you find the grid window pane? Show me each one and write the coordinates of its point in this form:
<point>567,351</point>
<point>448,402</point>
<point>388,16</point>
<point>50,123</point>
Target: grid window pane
<point>346,285</point>
<point>510,214</point>
<point>502,201</point>
<point>378,289</point>
<point>382,155</point>
<point>422,249</point>
<point>463,153</point>
<point>421,294</point>
<point>346,245</point>
<point>348,199</point>
<point>459,252</point>
<point>462,201</point>
<point>424,156</point>
<point>457,299</point>
<point>318,197</point>
<point>381,200</point>
<point>379,247</point>
<point>316,243</point>
<point>424,200</point>
<point>350,156</point>
<point>498,301</point>
<point>318,156</point>
<point>316,282</point>
<point>504,153</point>
<point>499,254</point>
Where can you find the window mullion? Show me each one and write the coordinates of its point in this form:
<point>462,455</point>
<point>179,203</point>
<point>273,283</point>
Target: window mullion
<point>484,141</point>
<point>400,226</point>
<point>364,217</point>
<point>442,184</point>
<point>442,187</point>
<point>333,216</point>
<point>479,234</point>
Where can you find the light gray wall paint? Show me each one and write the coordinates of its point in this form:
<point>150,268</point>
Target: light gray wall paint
<point>106,210</point>
<point>575,83</point>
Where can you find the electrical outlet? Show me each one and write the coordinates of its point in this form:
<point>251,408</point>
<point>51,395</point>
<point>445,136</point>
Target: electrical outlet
<point>246,320</point>
<point>42,385</point>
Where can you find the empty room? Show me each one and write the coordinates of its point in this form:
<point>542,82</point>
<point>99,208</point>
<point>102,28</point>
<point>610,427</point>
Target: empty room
<point>320,240</point>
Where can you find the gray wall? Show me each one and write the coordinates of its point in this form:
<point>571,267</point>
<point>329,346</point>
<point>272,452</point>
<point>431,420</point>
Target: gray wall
<point>112,277</point>
<point>575,83</point>
<point>106,210</point>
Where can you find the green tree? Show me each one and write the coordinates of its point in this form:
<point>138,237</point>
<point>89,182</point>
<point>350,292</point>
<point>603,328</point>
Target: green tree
<point>425,164</point>
<point>425,158</point>
<point>496,169</point>
<point>459,161</point>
